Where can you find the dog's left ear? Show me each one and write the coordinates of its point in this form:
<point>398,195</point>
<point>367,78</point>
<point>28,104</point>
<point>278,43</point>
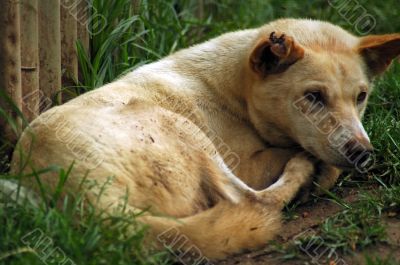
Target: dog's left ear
<point>378,51</point>
<point>274,54</point>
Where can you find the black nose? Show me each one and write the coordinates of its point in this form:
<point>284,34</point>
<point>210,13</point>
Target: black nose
<point>357,154</point>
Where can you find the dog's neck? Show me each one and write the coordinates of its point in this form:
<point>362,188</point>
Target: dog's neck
<point>221,64</point>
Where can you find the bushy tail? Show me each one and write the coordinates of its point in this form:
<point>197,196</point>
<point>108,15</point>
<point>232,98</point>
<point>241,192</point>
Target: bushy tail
<point>225,229</point>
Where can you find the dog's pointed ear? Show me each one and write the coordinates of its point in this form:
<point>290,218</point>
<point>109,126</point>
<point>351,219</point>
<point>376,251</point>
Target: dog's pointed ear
<point>275,54</point>
<point>378,51</point>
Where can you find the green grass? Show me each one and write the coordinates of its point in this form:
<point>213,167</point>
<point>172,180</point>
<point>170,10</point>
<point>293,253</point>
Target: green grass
<point>379,261</point>
<point>91,239</point>
<point>133,38</point>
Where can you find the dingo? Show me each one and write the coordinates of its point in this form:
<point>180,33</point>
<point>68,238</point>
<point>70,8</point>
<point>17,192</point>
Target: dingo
<point>218,135</point>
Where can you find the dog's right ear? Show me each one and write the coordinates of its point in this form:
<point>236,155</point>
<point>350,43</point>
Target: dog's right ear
<point>275,54</point>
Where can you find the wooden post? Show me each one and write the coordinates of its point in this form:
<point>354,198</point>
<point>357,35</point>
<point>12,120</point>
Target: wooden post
<point>30,58</point>
<point>50,49</point>
<point>69,36</point>
<point>83,20</point>
<point>82,24</point>
<point>200,9</point>
<point>135,4</point>
<point>10,67</point>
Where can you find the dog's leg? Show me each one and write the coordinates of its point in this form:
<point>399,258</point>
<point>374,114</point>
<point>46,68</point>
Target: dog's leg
<point>326,178</point>
<point>268,165</point>
<point>298,172</point>
<point>264,167</point>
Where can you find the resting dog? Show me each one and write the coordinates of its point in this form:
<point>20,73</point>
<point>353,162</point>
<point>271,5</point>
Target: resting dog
<point>221,135</point>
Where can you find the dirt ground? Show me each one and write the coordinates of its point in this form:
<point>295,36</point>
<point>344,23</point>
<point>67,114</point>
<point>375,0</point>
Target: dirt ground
<point>310,216</point>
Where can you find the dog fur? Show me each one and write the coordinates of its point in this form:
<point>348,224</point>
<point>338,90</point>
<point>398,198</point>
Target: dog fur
<point>210,135</point>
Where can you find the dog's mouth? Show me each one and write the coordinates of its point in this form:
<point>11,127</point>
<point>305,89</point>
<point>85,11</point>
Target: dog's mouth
<point>344,167</point>
<point>362,165</point>
<point>359,161</point>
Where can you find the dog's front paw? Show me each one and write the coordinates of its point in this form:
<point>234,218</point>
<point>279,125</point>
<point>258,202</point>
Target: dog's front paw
<point>302,166</point>
<point>326,177</point>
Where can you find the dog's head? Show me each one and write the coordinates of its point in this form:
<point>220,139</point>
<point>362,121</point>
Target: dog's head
<point>310,85</point>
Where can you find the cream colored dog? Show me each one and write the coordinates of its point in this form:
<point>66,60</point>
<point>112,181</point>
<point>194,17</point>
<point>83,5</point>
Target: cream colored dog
<point>216,135</point>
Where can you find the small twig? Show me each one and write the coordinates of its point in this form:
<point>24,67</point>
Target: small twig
<point>17,251</point>
<point>28,68</point>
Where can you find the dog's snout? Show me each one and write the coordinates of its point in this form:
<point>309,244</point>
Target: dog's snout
<point>363,139</point>
<point>358,152</point>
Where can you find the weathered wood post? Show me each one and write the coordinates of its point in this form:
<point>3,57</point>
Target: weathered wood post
<point>69,36</point>
<point>30,58</point>
<point>82,12</point>
<point>200,9</point>
<point>50,49</point>
<point>10,68</point>
<point>135,4</point>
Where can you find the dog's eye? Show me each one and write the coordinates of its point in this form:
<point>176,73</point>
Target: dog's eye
<point>361,97</point>
<point>314,97</point>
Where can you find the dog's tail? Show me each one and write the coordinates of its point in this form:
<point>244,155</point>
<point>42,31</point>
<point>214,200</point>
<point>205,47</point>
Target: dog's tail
<point>224,229</point>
